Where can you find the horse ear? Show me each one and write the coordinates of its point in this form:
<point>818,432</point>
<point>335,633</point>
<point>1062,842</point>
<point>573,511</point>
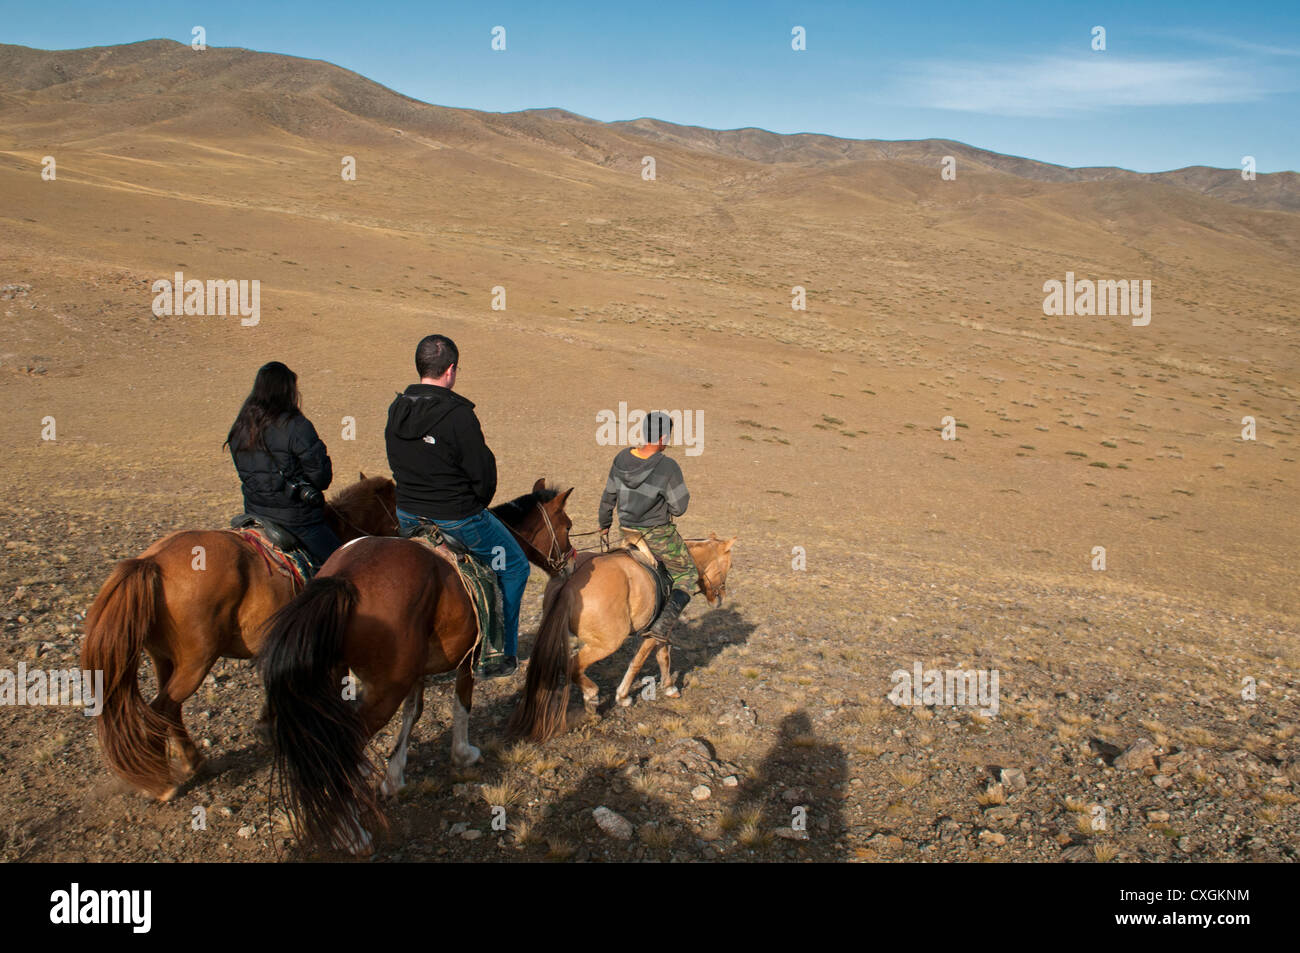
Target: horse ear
<point>731,542</point>
<point>539,485</point>
<point>563,497</point>
<point>713,536</point>
<point>363,475</point>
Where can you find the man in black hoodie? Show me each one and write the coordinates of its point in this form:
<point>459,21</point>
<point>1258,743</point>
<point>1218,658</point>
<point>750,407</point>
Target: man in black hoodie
<point>446,475</point>
<point>646,486</point>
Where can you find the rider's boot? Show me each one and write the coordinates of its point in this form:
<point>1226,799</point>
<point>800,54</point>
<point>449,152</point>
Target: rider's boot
<point>663,626</point>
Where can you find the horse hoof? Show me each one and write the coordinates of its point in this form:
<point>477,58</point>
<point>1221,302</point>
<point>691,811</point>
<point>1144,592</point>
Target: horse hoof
<point>625,701</point>
<point>463,759</point>
<point>671,692</point>
<point>170,793</point>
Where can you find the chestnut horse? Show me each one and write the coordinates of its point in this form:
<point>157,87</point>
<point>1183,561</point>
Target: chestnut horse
<point>390,612</point>
<point>189,599</point>
<point>607,598</point>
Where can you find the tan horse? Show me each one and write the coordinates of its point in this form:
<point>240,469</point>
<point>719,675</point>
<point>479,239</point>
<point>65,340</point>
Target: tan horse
<point>389,612</point>
<point>189,599</point>
<point>607,598</point>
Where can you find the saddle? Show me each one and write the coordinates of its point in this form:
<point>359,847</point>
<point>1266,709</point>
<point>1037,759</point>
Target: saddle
<point>275,534</point>
<point>480,584</point>
<point>634,545</point>
<point>281,549</point>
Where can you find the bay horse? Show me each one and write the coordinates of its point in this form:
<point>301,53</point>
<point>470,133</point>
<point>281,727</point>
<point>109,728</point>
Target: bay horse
<point>191,598</point>
<point>340,658</point>
<point>607,598</point>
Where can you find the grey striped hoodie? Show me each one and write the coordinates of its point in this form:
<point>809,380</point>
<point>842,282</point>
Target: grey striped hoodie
<point>647,492</point>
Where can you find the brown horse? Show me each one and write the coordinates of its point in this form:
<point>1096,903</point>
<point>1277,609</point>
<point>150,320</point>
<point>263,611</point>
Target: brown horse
<point>189,599</point>
<point>390,612</point>
<point>607,598</point>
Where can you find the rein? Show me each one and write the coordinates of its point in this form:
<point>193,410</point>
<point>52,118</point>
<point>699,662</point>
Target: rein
<point>588,549</point>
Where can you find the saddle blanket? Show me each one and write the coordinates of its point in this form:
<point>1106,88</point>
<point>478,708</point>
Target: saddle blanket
<point>296,565</point>
<point>484,595</point>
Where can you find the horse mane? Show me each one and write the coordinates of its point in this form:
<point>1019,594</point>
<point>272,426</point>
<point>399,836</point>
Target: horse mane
<point>513,512</point>
<point>350,496</point>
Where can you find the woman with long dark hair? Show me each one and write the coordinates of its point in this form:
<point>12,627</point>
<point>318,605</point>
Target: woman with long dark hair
<point>283,465</point>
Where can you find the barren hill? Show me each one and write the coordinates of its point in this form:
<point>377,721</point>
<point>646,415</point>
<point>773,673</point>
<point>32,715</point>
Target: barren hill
<point>160,81</point>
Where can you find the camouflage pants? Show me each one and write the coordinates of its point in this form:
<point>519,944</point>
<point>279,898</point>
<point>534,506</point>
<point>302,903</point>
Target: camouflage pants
<point>666,543</point>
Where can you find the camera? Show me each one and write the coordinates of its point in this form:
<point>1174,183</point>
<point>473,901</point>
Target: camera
<point>303,491</point>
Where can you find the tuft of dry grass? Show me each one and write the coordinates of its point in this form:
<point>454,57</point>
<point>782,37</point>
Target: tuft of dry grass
<point>906,778</point>
<point>732,820</point>
<point>526,832</point>
<point>502,794</point>
<point>1202,737</point>
<point>558,849</point>
<point>522,754</point>
<point>647,784</point>
<point>609,756</point>
<point>543,764</point>
<point>661,836</point>
<point>752,835</point>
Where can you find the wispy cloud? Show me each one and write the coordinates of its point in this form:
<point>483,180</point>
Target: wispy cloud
<point>1210,38</point>
<point>1056,85</point>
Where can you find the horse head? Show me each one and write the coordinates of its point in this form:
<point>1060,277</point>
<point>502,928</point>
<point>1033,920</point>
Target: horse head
<point>713,558</point>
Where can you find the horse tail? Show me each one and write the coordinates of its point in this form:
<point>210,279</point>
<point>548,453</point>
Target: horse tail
<point>318,739</point>
<point>541,712</point>
<point>132,735</point>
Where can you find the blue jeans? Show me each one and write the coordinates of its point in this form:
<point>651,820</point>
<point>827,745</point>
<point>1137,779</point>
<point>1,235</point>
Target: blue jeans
<point>487,538</point>
<point>318,539</point>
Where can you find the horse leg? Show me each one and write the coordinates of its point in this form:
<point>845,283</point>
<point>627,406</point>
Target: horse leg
<point>411,709</point>
<point>463,754</point>
<point>666,682</point>
<point>624,687</point>
<point>578,673</point>
<point>183,680</point>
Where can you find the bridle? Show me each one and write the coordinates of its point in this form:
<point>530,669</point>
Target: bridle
<point>556,560</point>
<point>720,588</point>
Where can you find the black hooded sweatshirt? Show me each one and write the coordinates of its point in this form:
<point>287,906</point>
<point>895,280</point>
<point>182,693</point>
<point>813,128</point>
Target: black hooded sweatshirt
<point>442,466</point>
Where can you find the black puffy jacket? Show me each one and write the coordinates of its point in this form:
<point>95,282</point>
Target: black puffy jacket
<point>289,445</point>
<point>443,468</point>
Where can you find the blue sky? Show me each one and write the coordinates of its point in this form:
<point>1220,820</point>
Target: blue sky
<point>1179,83</point>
